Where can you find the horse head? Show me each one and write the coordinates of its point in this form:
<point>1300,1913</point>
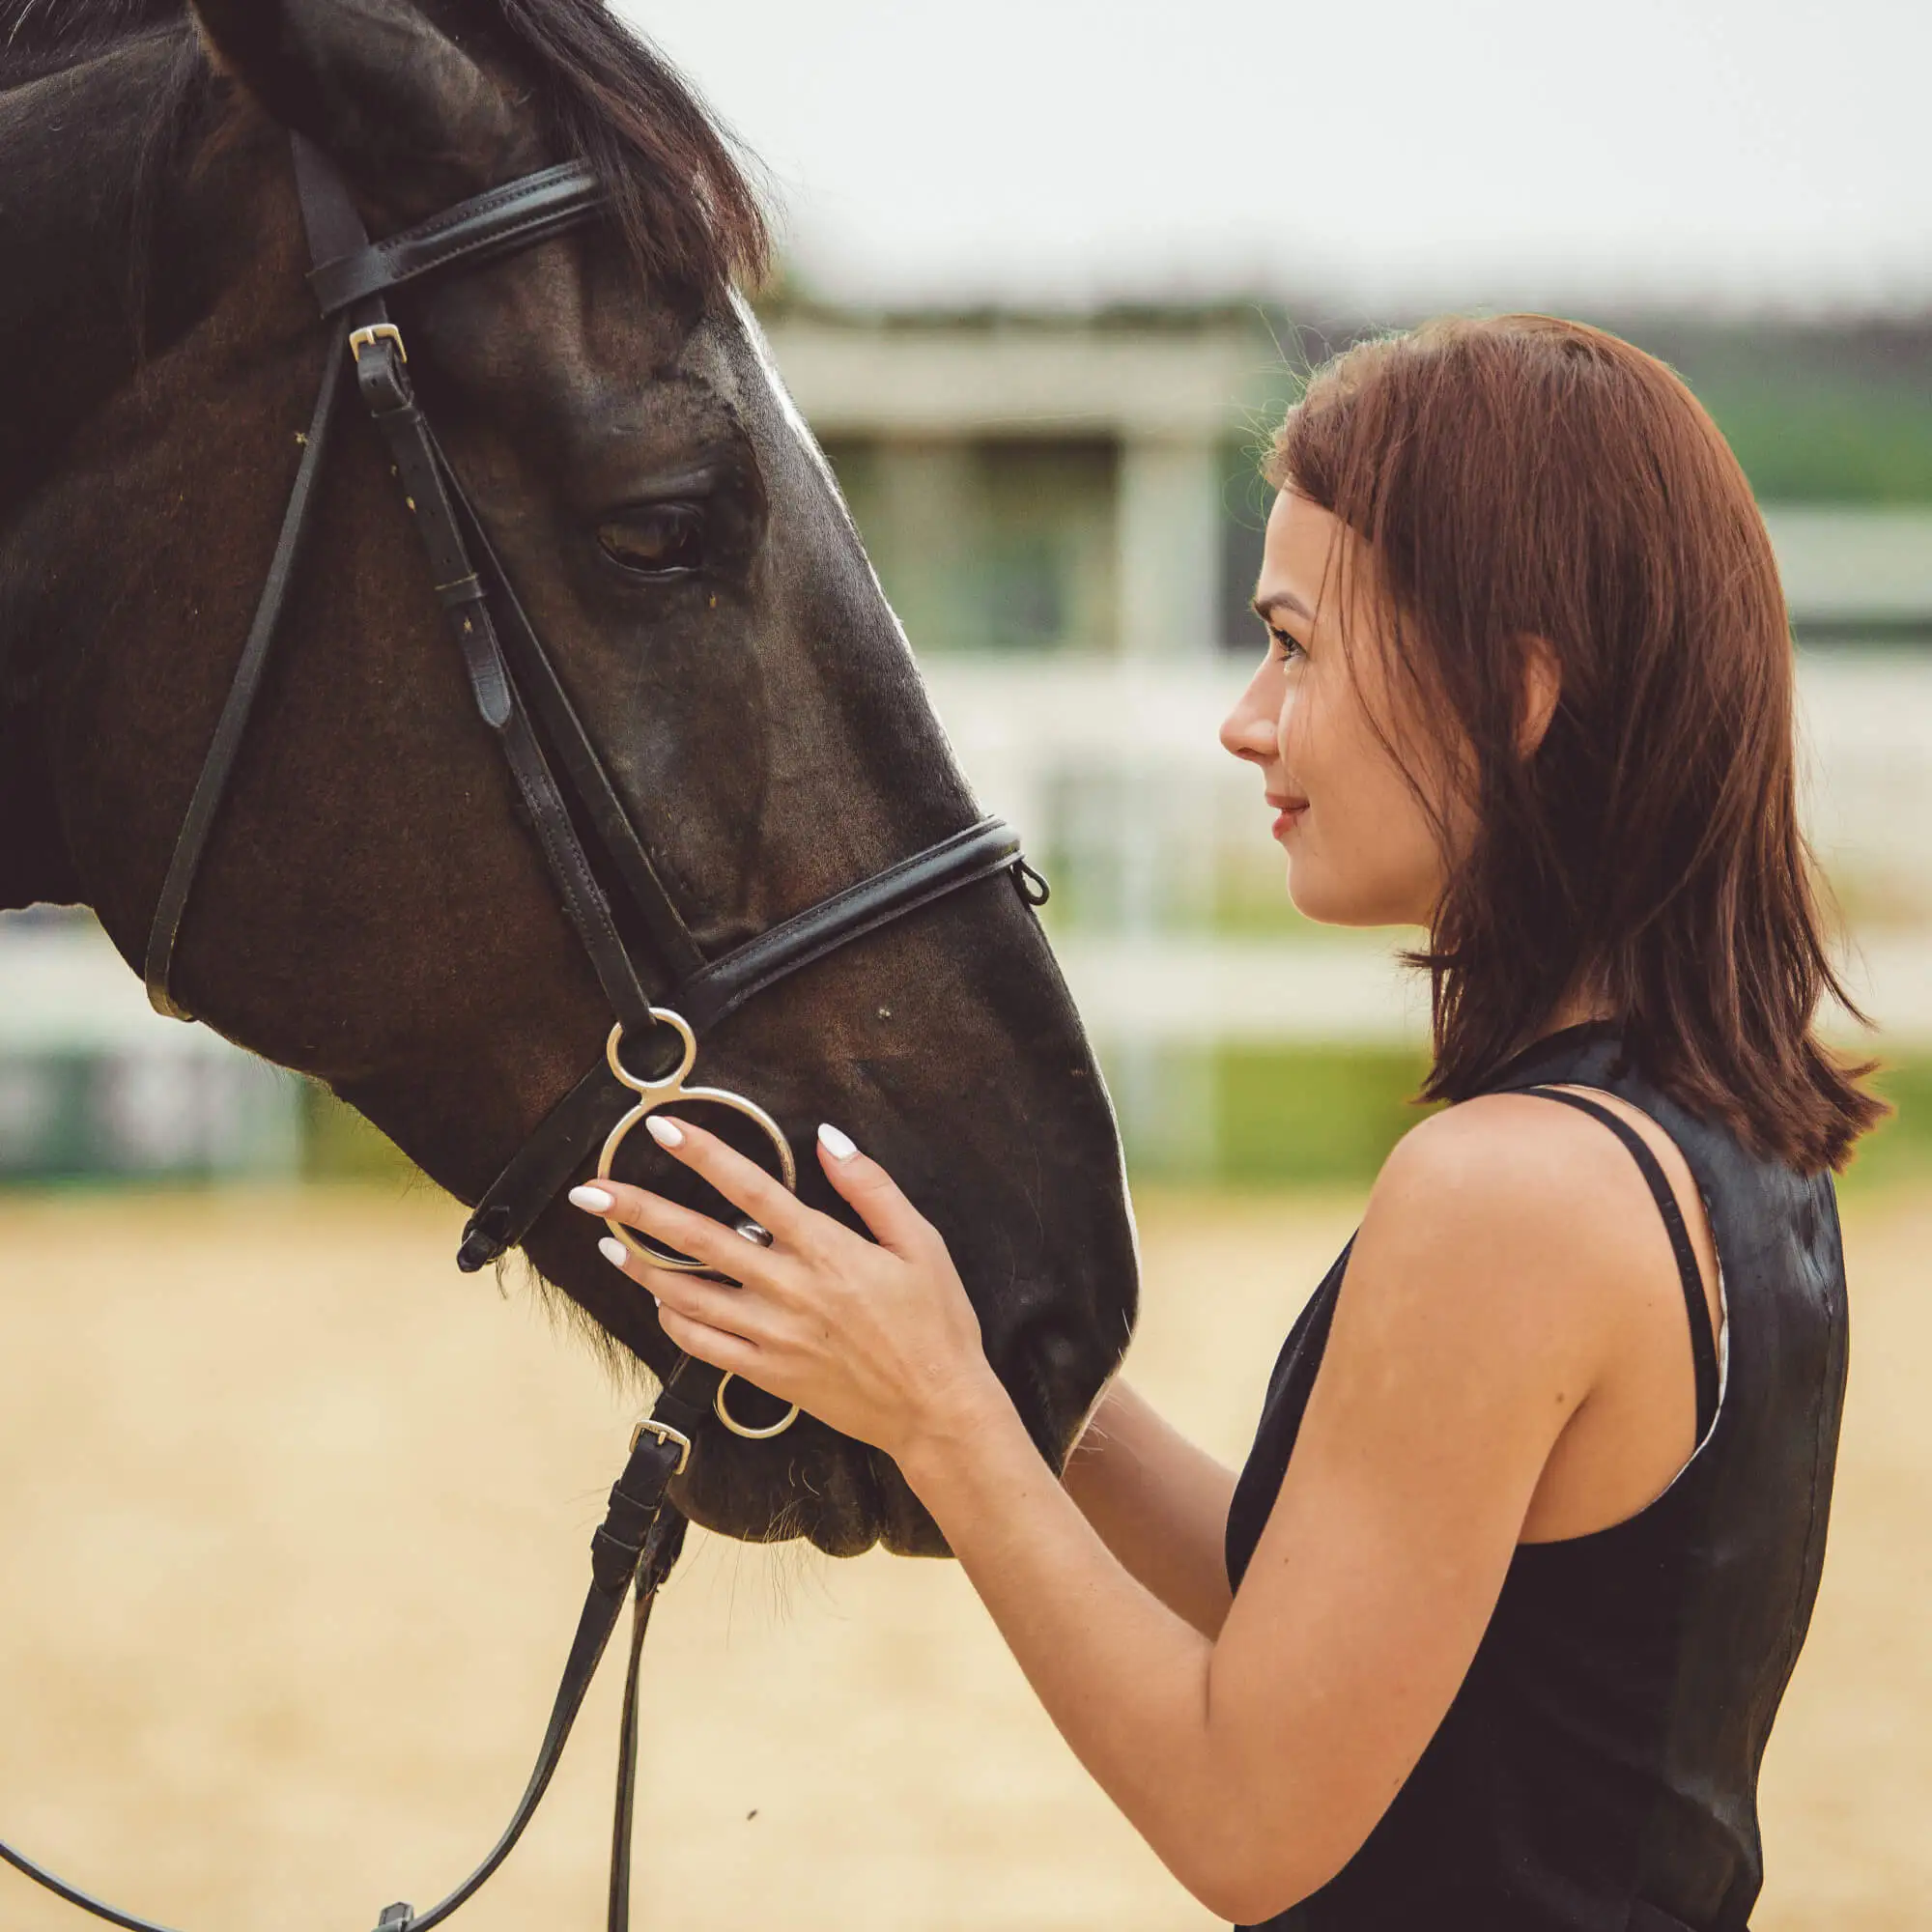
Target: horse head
<point>370,910</point>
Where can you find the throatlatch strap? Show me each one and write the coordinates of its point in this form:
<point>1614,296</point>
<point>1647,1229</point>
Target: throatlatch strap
<point>211,787</point>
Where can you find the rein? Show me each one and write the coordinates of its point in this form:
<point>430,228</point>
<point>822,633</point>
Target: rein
<point>522,701</point>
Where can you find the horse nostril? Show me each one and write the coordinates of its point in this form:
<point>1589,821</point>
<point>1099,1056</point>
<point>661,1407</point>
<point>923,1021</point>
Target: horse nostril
<point>1031,1385</point>
<point>1041,1388</point>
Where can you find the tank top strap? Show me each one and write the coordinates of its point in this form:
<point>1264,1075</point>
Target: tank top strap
<point>1703,1344</point>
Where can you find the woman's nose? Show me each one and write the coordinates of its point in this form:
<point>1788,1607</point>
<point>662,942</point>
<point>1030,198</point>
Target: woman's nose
<point>1248,731</point>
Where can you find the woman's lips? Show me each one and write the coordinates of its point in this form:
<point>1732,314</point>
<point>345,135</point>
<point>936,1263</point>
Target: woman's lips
<point>1288,814</point>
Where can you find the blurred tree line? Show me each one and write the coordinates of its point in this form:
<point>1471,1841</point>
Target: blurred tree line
<point>1818,412</point>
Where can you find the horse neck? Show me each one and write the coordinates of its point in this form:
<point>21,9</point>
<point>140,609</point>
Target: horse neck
<point>72,321</point>
<point>75,149</point>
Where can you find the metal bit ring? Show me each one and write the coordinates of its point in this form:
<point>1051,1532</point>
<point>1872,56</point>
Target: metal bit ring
<point>744,1429</point>
<point>651,1096</point>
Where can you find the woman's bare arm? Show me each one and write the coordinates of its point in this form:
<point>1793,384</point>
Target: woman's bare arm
<point>1159,1503</point>
<point>1255,1761</point>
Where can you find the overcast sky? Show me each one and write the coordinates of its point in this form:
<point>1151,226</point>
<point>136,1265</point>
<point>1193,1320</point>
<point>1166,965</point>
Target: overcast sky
<point>1743,152</point>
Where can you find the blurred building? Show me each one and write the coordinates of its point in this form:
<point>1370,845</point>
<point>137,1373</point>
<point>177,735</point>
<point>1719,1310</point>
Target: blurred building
<point>1030,486</point>
<point>1033,484</point>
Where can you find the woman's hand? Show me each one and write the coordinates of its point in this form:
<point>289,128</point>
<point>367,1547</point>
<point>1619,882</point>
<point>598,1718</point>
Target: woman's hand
<point>875,1338</point>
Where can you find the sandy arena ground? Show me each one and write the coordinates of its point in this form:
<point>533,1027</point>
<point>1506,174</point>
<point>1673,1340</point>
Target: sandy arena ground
<point>294,1518</point>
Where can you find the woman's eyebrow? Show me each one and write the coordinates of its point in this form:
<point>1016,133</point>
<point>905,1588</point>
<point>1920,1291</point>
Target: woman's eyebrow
<point>1264,608</point>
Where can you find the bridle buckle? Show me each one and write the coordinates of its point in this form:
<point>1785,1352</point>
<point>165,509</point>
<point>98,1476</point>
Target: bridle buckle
<point>360,339</point>
<point>666,1434</point>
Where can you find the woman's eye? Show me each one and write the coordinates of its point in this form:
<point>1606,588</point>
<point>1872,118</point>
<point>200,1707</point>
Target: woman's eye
<point>658,540</point>
<point>1285,647</point>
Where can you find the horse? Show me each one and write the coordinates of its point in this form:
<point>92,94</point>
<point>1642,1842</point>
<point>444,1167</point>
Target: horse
<point>371,907</point>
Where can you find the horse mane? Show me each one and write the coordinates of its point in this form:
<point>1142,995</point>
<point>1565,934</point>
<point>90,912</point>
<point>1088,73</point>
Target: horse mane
<point>41,37</point>
<point>680,193</point>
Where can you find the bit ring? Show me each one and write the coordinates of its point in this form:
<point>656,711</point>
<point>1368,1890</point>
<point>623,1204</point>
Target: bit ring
<point>655,1094</point>
<point>737,1428</point>
<point>651,1096</point>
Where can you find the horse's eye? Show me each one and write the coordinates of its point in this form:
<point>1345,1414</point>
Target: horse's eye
<point>655,539</point>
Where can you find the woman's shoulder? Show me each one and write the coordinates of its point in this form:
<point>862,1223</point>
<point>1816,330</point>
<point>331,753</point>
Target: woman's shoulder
<point>1527,1215</point>
<point>1519,1161</point>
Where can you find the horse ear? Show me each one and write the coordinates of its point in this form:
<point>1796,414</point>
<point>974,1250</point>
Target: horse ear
<point>406,114</point>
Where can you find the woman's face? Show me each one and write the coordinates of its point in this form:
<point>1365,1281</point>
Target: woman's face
<point>1361,849</point>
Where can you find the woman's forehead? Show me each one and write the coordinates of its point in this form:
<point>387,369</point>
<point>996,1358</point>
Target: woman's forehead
<point>1297,557</point>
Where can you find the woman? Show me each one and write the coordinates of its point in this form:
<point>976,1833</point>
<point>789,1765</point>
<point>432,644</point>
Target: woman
<point>1491,1630</point>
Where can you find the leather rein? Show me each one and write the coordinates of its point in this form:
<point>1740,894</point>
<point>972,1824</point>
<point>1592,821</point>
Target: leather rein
<point>523,701</point>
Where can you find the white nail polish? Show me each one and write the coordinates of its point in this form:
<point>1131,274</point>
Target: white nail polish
<point>667,1133</point>
<point>839,1146</point>
<point>614,1251</point>
<point>594,1198</point>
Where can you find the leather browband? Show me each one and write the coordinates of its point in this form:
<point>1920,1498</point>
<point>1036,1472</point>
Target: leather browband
<point>472,232</point>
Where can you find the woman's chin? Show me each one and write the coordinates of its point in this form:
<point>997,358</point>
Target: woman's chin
<point>1315,898</point>
<point>1328,901</point>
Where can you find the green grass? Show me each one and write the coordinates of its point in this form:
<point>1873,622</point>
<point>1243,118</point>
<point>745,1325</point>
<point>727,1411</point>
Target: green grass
<point>1828,442</point>
<point>1900,1150</point>
<point>1316,1115</point>
<point>1311,1114</point>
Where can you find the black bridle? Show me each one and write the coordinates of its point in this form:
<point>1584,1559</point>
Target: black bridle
<point>524,703</point>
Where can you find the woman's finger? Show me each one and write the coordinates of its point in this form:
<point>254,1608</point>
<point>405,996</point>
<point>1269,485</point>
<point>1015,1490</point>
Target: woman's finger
<point>718,1304</point>
<point>684,1228</point>
<point>874,1195</point>
<point>697,1298</point>
<point>741,1180</point>
<point>719,1346</point>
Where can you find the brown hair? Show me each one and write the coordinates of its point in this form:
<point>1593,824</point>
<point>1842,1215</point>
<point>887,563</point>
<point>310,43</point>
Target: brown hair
<point>1522,477</point>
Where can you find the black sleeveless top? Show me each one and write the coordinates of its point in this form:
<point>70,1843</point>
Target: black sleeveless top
<point>1598,1768</point>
